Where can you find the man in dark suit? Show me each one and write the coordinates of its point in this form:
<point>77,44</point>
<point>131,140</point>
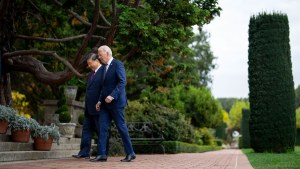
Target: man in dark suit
<point>112,102</point>
<point>91,115</point>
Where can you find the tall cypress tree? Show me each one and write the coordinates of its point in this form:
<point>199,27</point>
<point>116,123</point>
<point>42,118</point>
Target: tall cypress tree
<point>272,98</point>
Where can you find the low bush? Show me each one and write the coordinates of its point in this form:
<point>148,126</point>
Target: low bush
<point>173,147</point>
<point>65,117</point>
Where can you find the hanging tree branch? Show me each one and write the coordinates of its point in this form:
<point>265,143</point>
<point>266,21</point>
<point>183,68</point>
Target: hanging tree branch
<point>101,14</point>
<point>77,16</point>
<point>21,53</point>
<point>89,35</point>
<point>58,40</point>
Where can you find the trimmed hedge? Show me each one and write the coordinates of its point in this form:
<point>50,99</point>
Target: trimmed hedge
<point>271,88</point>
<point>173,147</point>
<point>298,137</point>
<point>245,139</point>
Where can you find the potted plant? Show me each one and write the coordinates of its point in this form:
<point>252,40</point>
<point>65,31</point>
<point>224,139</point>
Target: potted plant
<point>44,136</point>
<point>7,114</point>
<point>66,128</point>
<point>78,129</point>
<point>20,129</point>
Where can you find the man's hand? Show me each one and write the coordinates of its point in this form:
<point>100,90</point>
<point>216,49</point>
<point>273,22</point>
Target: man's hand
<point>108,99</point>
<point>98,106</point>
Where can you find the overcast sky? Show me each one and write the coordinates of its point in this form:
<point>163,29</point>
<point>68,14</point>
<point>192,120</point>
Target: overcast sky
<point>229,42</point>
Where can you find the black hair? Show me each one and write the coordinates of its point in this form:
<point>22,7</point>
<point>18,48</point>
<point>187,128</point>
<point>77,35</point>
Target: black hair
<point>92,56</point>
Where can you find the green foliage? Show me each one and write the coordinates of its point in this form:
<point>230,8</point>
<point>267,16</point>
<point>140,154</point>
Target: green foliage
<point>221,131</point>
<point>200,105</point>
<point>62,108</point>
<point>235,114</point>
<point>245,139</point>
<point>272,95</point>
<point>7,113</point>
<point>153,40</point>
<point>189,66</point>
<point>34,124</point>
<point>203,136</point>
<point>65,117</point>
<point>173,147</point>
<point>45,132</point>
<point>163,118</point>
<point>34,91</point>
<point>81,118</point>
<point>20,123</point>
<point>164,45</point>
<point>297,93</point>
<point>62,102</point>
<point>273,160</point>
<point>297,137</point>
<point>80,83</point>
<point>195,103</point>
<point>202,57</point>
<point>298,118</point>
<point>227,103</point>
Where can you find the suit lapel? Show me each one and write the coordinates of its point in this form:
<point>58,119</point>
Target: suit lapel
<point>91,80</point>
<point>110,67</point>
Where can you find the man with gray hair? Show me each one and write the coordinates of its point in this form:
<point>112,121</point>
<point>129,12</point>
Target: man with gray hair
<point>111,104</point>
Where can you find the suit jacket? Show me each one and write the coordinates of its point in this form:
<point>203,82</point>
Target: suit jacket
<point>93,90</point>
<point>114,84</point>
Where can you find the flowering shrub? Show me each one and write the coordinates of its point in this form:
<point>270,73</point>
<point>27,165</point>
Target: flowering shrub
<point>20,104</point>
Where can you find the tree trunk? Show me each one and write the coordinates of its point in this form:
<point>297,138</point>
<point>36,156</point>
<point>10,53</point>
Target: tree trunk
<point>7,33</point>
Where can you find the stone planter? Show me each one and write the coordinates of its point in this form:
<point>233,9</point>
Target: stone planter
<point>66,129</point>
<point>70,92</point>
<point>78,131</point>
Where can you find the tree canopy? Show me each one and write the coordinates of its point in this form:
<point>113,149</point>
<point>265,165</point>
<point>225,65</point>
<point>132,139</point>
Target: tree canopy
<point>50,39</point>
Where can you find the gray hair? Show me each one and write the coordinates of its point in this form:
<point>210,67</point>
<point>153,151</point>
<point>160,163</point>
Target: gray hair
<point>106,49</point>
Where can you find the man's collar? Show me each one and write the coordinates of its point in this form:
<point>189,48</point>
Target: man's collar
<point>97,68</point>
<point>109,61</point>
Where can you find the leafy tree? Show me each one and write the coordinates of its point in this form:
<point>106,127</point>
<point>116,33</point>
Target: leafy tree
<point>50,40</point>
<point>203,57</point>
<point>195,103</point>
<point>272,96</point>
<point>227,103</point>
<point>235,114</point>
<point>163,118</point>
<point>201,106</point>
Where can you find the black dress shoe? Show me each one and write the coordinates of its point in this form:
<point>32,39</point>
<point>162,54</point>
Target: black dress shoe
<point>128,158</point>
<point>80,156</point>
<point>100,158</point>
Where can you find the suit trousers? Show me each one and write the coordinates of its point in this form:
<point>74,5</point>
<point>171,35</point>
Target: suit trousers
<point>105,118</point>
<point>90,125</point>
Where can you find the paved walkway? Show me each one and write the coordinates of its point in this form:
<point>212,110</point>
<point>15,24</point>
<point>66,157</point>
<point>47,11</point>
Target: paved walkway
<point>222,159</point>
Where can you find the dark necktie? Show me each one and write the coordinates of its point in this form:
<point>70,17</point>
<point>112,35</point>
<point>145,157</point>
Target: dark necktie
<point>93,74</point>
<point>105,70</point>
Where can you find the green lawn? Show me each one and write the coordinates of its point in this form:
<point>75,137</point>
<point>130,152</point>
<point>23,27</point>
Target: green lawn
<point>274,161</point>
